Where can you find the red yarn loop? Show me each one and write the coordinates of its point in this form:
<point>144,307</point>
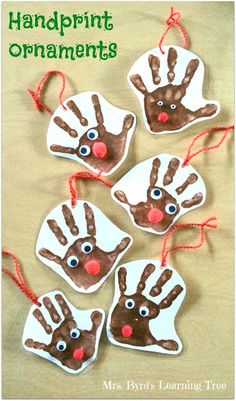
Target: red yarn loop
<point>165,252</point>
<point>84,175</point>
<point>18,279</point>
<point>207,132</point>
<point>39,105</point>
<point>172,20</point>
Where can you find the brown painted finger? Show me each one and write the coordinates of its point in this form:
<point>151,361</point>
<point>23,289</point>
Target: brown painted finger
<point>69,219</point>
<point>51,310</point>
<point>149,269</point>
<point>63,125</point>
<point>74,108</point>
<point>39,316</point>
<point>57,231</point>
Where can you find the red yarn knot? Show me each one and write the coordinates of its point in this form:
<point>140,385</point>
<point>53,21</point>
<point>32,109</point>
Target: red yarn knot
<point>39,105</point>
<point>189,156</point>
<point>172,20</point>
<point>87,176</point>
<point>18,279</point>
<point>165,252</point>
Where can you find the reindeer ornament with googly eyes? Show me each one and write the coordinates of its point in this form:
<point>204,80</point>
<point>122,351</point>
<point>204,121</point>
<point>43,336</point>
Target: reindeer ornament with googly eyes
<point>146,300</point>
<point>158,191</point>
<point>81,244</point>
<point>169,88</point>
<point>92,132</point>
<point>64,335</point>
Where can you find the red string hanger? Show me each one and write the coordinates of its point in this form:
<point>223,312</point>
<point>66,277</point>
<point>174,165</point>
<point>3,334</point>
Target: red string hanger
<point>18,278</point>
<point>189,156</point>
<point>206,224</point>
<point>173,20</point>
<point>84,175</point>
<point>36,96</point>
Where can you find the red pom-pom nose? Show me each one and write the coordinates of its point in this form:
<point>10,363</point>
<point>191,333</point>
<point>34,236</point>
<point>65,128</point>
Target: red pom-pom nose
<point>99,150</point>
<point>127,331</point>
<point>163,117</point>
<point>155,215</point>
<point>78,354</point>
<point>92,267</point>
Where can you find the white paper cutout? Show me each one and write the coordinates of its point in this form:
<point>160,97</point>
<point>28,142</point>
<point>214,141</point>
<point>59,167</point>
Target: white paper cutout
<point>149,328</point>
<point>80,130</point>
<point>192,100</point>
<point>135,188</point>
<point>48,343</point>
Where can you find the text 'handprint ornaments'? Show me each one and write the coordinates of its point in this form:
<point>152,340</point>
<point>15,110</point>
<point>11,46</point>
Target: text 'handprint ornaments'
<point>81,244</point>
<point>89,129</point>
<point>63,334</point>
<point>146,300</point>
<point>157,191</point>
<point>55,329</point>
<point>148,295</point>
<point>168,82</point>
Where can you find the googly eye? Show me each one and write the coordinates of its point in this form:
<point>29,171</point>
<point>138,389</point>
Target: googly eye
<point>84,150</point>
<point>173,106</point>
<point>61,346</point>
<point>92,134</point>
<point>75,333</point>
<point>72,261</point>
<point>156,193</point>
<point>129,303</point>
<point>86,247</point>
<point>170,208</point>
<point>160,103</point>
<point>143,311</point>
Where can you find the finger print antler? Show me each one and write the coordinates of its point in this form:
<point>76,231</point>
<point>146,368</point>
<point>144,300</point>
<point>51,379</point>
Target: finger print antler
<point>98,110</point>
<point>89,217</point>
<point>149,269</point>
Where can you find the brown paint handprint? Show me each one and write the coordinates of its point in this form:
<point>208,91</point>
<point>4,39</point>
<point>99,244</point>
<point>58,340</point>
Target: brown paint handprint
<point>129,321</point>
<point>83,263</point>
<point>167,197</point>
<point>166,107</point>
<point>67,344</point>
<point>97,148</point>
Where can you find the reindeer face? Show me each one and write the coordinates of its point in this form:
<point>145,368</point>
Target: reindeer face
<point>172,191</point>
<point>171,106</point>
<point>83,263</point>
<point>135,320</point>
<point>100,141</point>
<point>58,325</point>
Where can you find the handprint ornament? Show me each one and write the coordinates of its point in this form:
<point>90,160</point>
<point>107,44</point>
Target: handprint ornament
<point>81,244</point>
<point>90,130</point>
<point>146,301</point>
<point>63,334</point>
<point>157,191</point>
<point>169,84</point>
<point>148,295</point>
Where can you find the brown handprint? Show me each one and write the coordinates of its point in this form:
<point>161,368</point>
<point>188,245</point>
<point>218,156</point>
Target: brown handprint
<point>83,262</point>
<point>163,107</point>
<point>130,318</point>
<point>161,208</point>
<point>101,149</point>
<point>68,343</point>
